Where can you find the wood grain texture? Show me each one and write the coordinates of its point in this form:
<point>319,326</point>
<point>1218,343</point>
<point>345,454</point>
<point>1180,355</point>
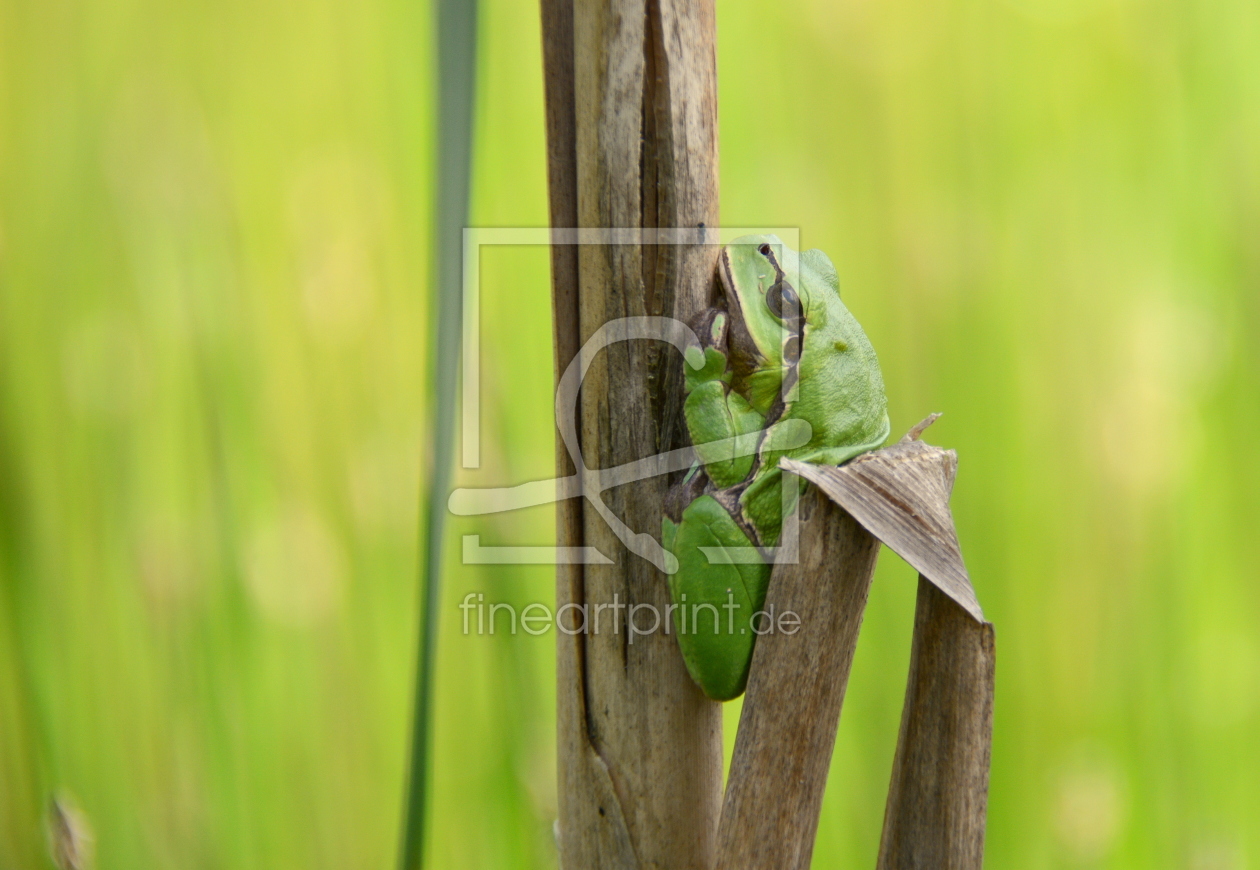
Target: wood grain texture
<point>595,833</point>
<point>632,120</point>
<point>935,816</point>
<point>796,688</point>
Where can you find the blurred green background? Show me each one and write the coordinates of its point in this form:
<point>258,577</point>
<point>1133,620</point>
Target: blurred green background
<point>214,269</point>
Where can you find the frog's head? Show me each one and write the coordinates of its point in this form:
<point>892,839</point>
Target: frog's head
<point>773,296</point>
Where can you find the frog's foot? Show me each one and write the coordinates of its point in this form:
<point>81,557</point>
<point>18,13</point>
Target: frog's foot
<point>731,499</point>
<point>684,492</point>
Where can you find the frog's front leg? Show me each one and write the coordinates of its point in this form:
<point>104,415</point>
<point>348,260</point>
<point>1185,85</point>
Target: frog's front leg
<point>714,601</point>
<point>715,414</point>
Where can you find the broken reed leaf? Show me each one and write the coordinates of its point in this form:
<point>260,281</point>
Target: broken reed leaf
<point>900,494</point>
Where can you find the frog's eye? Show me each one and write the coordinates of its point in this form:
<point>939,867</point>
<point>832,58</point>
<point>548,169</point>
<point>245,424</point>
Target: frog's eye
<point>782,301</point>
<point>764,250</point>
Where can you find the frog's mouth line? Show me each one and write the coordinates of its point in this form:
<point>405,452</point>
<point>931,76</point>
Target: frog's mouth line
<point>742,352</point>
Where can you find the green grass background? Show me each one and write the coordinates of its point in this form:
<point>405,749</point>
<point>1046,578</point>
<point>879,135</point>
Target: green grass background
<point>214,263</point>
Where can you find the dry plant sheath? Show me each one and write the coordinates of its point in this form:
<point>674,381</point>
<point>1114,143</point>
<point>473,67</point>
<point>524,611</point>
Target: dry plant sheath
<point>787,728</point>
<point>936,804</point>
<point>632,143</point>
<point>901,493</point>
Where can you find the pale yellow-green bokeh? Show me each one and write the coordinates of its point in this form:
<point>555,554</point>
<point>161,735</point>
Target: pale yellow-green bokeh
<point>214,291</point>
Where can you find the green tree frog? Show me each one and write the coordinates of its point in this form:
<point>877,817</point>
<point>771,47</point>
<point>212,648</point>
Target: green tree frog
<point>783,363</point>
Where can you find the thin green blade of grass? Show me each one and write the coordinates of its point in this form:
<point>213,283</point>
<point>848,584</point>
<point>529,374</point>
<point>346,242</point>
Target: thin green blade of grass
<point>456,52</point>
